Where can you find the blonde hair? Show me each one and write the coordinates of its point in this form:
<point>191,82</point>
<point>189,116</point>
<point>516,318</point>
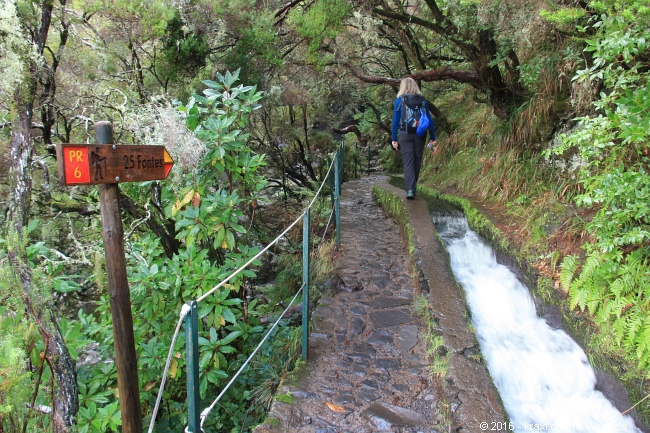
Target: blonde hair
<point>408,85</point>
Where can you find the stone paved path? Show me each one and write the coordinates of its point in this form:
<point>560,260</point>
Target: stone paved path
<point>367,367</point>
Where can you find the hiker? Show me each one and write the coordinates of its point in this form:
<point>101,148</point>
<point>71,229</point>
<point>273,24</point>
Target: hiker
<point>408,112</point>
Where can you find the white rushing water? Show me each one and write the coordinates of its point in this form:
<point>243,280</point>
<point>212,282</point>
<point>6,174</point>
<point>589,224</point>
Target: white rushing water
<point>543,376</point>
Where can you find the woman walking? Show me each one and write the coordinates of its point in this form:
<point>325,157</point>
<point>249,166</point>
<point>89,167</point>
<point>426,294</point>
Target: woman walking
<point>408,110</point>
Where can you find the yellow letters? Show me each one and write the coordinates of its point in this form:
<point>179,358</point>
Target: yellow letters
<point>76,154</point>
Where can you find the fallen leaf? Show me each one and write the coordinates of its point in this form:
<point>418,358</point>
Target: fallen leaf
<point>336,408</point>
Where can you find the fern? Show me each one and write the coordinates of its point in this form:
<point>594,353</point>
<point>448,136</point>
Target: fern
<point>619,329</point>
<point>578,294</point>
<point>643,343</point>
<point>632,328</point>
<point>591,265</point>
<point>569,266</point>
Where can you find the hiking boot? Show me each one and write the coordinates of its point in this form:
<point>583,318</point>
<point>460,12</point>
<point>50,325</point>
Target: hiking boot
<point>410,194</point>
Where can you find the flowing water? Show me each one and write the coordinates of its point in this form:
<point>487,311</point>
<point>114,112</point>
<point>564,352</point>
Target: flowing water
<point>543,376</point>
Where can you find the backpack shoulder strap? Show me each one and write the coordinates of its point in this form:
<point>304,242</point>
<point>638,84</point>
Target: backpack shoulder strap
<point>402,117</point>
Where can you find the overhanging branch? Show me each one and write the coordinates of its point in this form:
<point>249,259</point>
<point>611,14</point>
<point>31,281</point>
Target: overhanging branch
<point>363,141</point>
<point>446,73</point>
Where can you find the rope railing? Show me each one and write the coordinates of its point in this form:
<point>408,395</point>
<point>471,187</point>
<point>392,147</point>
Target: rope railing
<point>189,310</point>
<point>207,410</point>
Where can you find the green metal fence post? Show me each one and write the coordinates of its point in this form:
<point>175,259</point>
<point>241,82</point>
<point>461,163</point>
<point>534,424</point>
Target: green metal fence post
<point>368,146</point>
<point>337,201</point>
<point>305,282</point>
<point>339,169</point>
<point>342,163</point>
<point>192,353</point>
<point>331,180</point>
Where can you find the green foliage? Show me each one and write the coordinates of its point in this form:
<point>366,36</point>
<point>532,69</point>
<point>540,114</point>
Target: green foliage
<point>185,52</point>
<point>569,267</point>
<point>614,282</point>
<point>322,21</point>
<point>564,16</point>
<point>210,217</point>
<point>257,49</point>
<point>20,346</point>
<point>14,379</point>
<point>390,160</point>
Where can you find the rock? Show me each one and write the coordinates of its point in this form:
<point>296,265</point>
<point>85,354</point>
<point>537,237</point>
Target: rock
<point>299,393</point>
<point>386,302</point>
<point>386,415</point>
<point>384,319</point>
<point>370,384</point>
<point>368,395</point>
<point>408,337</point>
<point>358,326</point>
<point>388,363</point>
<point>380,337</point>
<point>343,397</point>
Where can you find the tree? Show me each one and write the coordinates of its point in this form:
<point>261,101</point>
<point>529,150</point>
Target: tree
<point>35,29</point>
<point>414,35</point>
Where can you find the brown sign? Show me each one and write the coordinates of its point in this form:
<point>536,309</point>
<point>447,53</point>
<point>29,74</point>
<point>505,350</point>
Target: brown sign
<point>92,164</point>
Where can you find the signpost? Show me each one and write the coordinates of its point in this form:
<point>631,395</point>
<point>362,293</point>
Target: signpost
<point>108,164</point>
<point>92,164</point>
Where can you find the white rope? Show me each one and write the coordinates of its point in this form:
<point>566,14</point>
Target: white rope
<point>323,183</point>
<point>211,291</point>
<point>207,411</point>
<point>185,309</point>
<point>328,225</point>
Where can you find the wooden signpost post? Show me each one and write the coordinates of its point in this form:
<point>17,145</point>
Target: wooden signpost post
<point>108,164</point>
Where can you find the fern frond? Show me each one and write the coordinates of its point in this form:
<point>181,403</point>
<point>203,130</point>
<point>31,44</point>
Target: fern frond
<point>619,329</point>
<point>591,266</point>
<point>618,287</point>
<point>569,266</point>
<point>578,296</point>
<point>632,328</point>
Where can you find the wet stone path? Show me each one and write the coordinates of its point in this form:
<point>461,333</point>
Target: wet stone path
<point>367,367</point>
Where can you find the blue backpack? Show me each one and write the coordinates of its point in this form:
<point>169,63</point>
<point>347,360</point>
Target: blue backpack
<point>414,119</point>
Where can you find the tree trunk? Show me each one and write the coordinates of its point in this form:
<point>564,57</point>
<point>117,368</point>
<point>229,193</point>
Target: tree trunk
<point>66,402</point>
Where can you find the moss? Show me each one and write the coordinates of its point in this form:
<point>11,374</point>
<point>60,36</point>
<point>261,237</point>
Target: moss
<point>273,422</point>
<point>284,398</point>
<point>394,207</point>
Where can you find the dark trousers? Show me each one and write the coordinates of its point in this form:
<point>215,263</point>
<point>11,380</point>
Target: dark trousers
<point>412,147</point>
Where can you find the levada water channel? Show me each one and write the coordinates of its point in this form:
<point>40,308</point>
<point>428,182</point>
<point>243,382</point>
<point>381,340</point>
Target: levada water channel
<point>543,376</point>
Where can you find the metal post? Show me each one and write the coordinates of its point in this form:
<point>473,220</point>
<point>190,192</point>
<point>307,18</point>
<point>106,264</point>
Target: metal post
<point>339,167</point>
<point>126,362</point>
<point>331,179</point>
<point>192,355</point>
<point>342,163</point>
<point>305,282</point>
<point>368,146</point>
<point>337,201</point>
